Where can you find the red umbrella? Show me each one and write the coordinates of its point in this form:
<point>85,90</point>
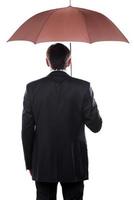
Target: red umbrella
<point>68,24</point>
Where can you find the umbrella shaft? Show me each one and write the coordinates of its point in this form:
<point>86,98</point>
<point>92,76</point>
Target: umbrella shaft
<point>71,60</point>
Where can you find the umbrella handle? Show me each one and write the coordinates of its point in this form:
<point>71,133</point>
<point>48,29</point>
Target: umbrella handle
<point>69,2</point>
<point>71,60</point>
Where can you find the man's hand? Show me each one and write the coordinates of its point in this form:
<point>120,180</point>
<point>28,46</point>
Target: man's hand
<point>30,172</point>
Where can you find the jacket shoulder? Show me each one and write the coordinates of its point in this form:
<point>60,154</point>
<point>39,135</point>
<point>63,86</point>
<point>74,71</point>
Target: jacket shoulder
<point>35,82</point>
<point>81,81</point>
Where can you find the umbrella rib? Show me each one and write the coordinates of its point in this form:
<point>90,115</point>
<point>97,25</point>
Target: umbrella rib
<point>85,25</point>
<point>43,25</point>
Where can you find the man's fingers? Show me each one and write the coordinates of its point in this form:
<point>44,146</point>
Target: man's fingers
<point>30,172</point>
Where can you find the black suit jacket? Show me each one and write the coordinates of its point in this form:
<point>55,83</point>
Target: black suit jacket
<point>56,109</point>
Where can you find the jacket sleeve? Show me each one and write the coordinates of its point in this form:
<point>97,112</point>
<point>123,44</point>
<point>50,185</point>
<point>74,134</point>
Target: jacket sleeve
<point>27,131</point>
<point>91,115</point>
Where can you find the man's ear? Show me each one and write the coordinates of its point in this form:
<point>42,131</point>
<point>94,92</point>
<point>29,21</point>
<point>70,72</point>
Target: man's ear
<point>68,62</point>
<point>47,62</point>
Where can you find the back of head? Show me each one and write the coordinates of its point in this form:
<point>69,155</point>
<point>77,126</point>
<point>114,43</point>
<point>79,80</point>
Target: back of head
<point>57,55</point>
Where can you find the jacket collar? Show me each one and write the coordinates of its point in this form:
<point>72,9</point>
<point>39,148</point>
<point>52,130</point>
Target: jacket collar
<point>58,73</point>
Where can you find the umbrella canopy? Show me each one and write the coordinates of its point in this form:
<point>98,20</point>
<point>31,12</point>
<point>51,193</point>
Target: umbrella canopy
<point>68,24</point>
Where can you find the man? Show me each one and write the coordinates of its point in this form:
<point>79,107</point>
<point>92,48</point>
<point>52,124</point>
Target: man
<point>56,109</point>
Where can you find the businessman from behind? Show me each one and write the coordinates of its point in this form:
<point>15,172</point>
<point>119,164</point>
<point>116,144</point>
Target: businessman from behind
<point>56,109</point>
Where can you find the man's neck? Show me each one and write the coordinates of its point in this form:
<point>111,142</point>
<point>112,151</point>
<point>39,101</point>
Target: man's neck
<point>59,70</point>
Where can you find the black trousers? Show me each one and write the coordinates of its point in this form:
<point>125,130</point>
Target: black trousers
<point>70,191</point>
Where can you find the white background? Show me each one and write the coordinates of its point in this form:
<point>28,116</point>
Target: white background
<point>109,68</point>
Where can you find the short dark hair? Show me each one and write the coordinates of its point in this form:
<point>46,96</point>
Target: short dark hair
<point>57,55</point>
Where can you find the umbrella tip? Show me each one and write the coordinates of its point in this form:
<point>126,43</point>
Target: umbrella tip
<point>126,40</point>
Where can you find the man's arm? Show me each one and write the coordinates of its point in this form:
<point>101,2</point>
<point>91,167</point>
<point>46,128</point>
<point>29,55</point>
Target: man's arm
<point>90,111</point>
<point>27,132</point>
